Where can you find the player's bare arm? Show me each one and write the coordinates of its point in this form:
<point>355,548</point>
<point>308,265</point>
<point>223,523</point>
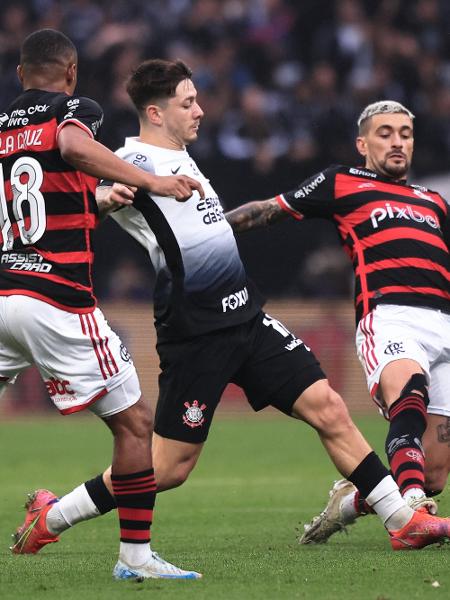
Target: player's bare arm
<point>255,214</point>
<point>87,155</point>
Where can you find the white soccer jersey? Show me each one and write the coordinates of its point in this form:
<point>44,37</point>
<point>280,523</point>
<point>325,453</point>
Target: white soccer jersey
<point>201,282</point>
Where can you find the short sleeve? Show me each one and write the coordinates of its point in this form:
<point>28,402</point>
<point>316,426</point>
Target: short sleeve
<point>84,112</point>
<point>314,197</point>
<point>138,159</point>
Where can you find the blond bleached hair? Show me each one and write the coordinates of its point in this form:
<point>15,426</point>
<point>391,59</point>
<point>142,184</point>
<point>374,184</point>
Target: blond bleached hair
<point>382,107</point>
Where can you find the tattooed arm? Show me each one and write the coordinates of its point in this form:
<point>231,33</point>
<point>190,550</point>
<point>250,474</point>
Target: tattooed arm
<point>255,214</point>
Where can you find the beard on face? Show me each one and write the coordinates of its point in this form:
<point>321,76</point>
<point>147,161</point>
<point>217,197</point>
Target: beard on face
<point>395,171</point>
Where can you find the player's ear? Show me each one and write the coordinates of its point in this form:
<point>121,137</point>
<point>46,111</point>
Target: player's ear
<point>154,114</point>
<point>361,145</point>
<point>19,72</point>
<point>71,74</point>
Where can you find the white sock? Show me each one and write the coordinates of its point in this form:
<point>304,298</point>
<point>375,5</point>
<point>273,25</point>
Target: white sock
<point>71,509</point>
<point>387,502</point>
<point>135,555</point>
<point>414,493</point>
<point>348,510</point>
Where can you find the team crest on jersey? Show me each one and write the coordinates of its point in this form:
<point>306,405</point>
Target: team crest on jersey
<point>193,417</point>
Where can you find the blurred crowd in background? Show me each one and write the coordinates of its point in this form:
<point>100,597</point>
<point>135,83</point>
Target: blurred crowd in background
<point>281,82</point>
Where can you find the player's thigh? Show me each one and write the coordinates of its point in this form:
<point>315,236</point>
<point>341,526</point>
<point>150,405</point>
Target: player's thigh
<point>279,368</point>
<point>79,357</point>
<point>14,358</point>
<point>388,340</point>
<point>125,404</point>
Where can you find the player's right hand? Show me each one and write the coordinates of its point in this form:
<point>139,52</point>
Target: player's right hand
<point>181,187</point>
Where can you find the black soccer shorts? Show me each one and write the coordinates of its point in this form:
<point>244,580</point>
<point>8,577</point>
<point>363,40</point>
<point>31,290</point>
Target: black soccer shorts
<point>269,363</point>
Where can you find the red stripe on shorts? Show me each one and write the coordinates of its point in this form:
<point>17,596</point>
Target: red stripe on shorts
<point>109,359</point>
<point>87,330</point>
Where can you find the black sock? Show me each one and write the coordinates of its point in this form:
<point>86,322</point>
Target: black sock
<point>100,495</point>
<point>368,474</point>
<point>408,420</point>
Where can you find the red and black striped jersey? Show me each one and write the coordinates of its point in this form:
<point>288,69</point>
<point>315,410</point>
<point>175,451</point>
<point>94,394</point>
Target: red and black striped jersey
<point>393,233</point>
<point>48,209</point>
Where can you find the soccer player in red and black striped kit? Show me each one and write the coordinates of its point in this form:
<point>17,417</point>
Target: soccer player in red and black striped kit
<point>50,162</point>
<point>394,234</point>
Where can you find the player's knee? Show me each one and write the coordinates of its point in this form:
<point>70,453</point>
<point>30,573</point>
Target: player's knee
<point>336,418</point>
<point>180,474</point>
<point>169,476</point>
<point>142,426</point>
<point>331,415</point>
<point>135,421</point>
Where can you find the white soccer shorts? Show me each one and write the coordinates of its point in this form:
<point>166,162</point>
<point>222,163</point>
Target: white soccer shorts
<point>79,356</point>
<point>392,332</point>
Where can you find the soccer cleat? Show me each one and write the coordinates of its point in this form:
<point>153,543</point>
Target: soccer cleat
<point>331,518</point>
<point>155,568</point>
<point>422,530</point>
<point>423,504</point>
<point>33,535</point>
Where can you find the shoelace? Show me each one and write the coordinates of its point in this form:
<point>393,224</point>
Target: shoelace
<point>169,566</point>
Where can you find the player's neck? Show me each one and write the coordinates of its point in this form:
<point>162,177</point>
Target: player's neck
<point>38,83</point>
<point>157,137</point>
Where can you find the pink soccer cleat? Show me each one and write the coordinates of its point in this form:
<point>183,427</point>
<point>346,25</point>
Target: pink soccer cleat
<point>422,530</point>
<point>33,535</point>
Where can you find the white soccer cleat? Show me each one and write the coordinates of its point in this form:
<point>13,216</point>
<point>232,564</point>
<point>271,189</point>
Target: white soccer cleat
<point>331,519</point>
<point>155,568</point>
<point>423,504</point>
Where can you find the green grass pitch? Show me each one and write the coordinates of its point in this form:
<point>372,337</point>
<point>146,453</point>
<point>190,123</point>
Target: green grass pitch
<point>235,520</point>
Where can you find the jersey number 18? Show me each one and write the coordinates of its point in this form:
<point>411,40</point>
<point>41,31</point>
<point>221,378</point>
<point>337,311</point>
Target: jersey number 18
<point>26,181</point>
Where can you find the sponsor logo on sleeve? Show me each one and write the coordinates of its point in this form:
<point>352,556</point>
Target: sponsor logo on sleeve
<point>139,159</point>
<point>72,106</point>
<point>95,126</point>
<point>310,187</point>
